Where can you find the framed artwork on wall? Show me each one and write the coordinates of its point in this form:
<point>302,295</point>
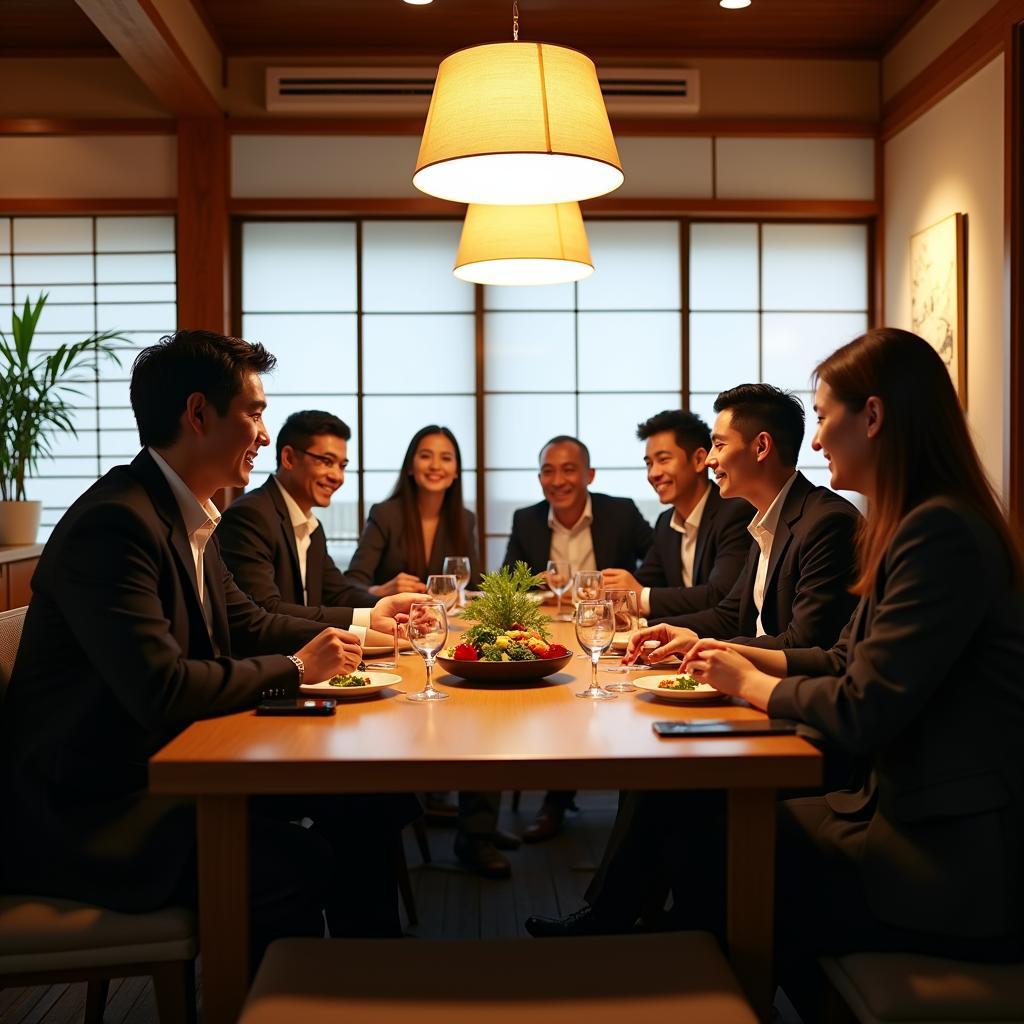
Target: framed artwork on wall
<point>938,300</point>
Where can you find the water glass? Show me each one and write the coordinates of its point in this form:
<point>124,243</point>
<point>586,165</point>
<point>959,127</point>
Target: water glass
<point>559,579</point>
<point>443,588</point>
<point>458,566</point>
<point>588,586</point>
<point>625,609</point>
<point>595,629</point>
<point>428,633</point>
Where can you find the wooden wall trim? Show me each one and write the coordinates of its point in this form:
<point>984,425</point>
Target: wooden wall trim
<point>203,228</point>
<point>842,209</point>
<point>90,206</point>
<point>902,32</point>
<point>1014,261</point>
<point>972,51</point>
<point>87,126</point>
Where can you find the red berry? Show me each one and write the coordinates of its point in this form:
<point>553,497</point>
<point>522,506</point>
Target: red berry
<point>557,651</point>
<point>466,652</point>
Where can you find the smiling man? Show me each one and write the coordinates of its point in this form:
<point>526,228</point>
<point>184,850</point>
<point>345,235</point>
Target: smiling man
<point>274,544</point>
<point>701,541</point>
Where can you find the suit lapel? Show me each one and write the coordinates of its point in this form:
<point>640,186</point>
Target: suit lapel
<point>542,537</point>
<point>213,567</point>
<point>277,500</point>
<point>315,555</point>
<point>792,510</point>
<point>604,544</point>
<point>704,531</point>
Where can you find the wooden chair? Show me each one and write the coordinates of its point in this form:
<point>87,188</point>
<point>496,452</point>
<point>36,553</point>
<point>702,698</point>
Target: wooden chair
<point>876,988</point>
<point>44,941</point>
<point>642,979</point>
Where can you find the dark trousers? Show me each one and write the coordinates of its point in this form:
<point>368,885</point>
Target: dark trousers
<point>563,799</point>
<point>343,867</point>
<point>478,813</point>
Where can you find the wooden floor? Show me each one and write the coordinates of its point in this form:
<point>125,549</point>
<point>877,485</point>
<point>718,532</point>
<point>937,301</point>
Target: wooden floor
<point>548,878</point>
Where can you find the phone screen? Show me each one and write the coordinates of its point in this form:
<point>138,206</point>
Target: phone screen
<point>726,727</point>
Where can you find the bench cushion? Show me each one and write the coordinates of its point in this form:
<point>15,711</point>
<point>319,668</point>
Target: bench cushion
<point>902,987</point>
<point>638,979</point>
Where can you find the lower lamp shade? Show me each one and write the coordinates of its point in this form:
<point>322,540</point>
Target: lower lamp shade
<point>523,245</point>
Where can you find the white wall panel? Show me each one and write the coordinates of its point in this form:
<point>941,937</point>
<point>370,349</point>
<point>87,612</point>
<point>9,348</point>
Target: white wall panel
<point>664,167</point>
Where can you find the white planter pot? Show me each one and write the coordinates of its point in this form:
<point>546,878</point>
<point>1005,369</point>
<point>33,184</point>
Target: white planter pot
<point>19,522</point>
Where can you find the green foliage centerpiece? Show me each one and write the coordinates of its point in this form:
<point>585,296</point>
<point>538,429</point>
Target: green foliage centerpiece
<point>505,603</point>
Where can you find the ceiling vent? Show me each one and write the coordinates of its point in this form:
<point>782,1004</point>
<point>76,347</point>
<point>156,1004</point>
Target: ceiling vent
<point>364,92</point>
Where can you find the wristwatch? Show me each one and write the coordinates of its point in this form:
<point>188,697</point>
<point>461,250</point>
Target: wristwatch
<point>297,662</point>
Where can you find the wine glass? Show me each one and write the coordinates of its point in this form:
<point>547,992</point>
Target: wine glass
<point>559,578</point>
<point>428,631</point>
<point>595,629</point>
<point>443,588</point>
<point>625,611</point>
<point>587,585</point>
<point>458,566</point>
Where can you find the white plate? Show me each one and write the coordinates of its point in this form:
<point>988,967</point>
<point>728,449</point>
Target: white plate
<point>651,684</point>
<point>376,650</point>
<point>378,681</point>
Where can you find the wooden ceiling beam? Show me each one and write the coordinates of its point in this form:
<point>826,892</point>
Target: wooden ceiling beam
<point>159,54</point>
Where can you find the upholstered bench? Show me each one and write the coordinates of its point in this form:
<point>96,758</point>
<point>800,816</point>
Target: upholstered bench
<point>880,988</point>
<point>637,979</point>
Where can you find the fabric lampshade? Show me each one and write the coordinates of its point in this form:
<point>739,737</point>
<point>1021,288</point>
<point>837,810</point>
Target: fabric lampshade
<point>517,124</point>
<point>524,245</point>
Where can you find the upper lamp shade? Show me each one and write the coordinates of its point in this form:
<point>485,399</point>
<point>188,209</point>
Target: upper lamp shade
<point>524,245</point>
<point>515,124</point>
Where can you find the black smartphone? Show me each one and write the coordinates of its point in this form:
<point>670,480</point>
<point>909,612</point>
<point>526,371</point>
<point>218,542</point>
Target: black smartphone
<point>296,706</point>
<point>726,727</point>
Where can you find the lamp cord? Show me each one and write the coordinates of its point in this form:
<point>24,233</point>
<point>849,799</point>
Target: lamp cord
<point>515,21</point>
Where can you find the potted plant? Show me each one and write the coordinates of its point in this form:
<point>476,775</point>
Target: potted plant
<point>35,409</point>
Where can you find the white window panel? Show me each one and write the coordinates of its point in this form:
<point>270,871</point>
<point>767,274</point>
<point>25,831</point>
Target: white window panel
<point>120,445</point>
<point>117,418</point>
<point>56,295</point>
<point>552,297</point>
<point>5,236</point>
<point>341,551</point>
<point>518,425</point>
<point>137,316</point>
<point>135,234</point>
<point>302,267</point>
<point>139,266</point>
<point>341,517</point>
<point>378,484</point>
<point>529,351</point>
<point>508,490</point>
<point>794,343</point>
<point>494,553</point>
<point>630,483</point>
<point>315,352</point>
<point>703,405</point>
<point>280,407</point>
<point>723,266</point>
<point>52,234</point>
<point>407,267</point>
<point>608,425</point>
<point>390,423</point>
<point>723,350</point>
<point>418,354</point>
<point>636,266</point>
<point>75,319</point>
<point>132,293</point>
<point>815,266</point>
<point>42,271</point>
<point>633,351</point>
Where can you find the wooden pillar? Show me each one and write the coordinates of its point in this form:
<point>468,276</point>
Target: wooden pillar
<point>203,235</point>
<point>1014,234</point>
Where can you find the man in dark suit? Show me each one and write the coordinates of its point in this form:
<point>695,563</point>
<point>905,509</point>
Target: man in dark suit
<point>586,529</point>
<point>701,541</point>
<point>135,630</point>
<point>793,592</point>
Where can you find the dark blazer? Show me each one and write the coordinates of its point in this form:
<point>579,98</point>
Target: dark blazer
<point>115,660</point>
<point>926,683</point>
<point>812,565</point>
<point>257,541</point>
<point>723,544</point>
<point>620,533</point>
<point>380,555</point>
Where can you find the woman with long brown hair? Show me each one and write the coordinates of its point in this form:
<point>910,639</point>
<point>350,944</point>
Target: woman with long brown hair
<point>924,688</point>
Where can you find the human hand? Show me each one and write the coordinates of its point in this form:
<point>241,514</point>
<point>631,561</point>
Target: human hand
<point>722,666</point>
<point>621,579</point>
<point>671,640</point>
<point>391,612</point>
<point>330,653</point>
<point>402,583</point>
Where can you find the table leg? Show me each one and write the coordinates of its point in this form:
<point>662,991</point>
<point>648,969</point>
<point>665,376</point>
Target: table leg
<point>751,893</point>
<point>223,831</point>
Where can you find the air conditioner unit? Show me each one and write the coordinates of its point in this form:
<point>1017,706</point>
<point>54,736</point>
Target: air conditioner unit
<point>405,92</point>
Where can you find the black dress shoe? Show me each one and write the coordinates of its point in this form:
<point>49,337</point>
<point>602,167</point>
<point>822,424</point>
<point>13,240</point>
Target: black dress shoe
<point>506,840</point>
<point>479,854</point>
<point>581,922</point>
<point>439,810</point>
<point>546,825</point>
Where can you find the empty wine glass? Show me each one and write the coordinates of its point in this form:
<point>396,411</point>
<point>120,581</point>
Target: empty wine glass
<point>428,631</point>
<point>458,566</point>
<point>443,588</point>
<point>587,585</point>
<point>595,628</point>
<point>559,578</point>
<point>625,611</point>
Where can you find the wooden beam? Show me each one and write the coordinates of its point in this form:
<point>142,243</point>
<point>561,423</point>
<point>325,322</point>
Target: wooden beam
<point>1014,262</point>
<point>87,205</point>
<point>87,126</point>
<point>136,29</point>
<point>203,238</point>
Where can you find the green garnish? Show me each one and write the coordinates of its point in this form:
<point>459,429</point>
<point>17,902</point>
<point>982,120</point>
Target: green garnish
<point>350,680</point>
<point>683,682</point>
<point>505,603</point>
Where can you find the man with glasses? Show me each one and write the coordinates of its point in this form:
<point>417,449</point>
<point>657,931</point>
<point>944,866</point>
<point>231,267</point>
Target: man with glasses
<point>273,543</point>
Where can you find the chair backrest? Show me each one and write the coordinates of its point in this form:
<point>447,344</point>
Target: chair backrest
<point>10,636</point>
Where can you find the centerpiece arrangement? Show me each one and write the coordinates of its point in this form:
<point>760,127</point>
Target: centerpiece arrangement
<point>509,637</point>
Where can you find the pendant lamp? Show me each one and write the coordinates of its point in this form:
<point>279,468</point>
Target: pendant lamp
<point>515,124</point>
<point>523,245</point>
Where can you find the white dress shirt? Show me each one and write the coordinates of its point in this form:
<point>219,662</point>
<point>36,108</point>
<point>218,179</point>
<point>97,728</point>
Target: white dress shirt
<point>303,527</point>
<point>687,548</point>
<point>200,518</point>
<point>573,544</point>
<point>763,531</point>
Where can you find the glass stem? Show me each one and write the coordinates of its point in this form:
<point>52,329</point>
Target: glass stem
<point>594,655</point>
<point>429,688</point>
<point>558,607</point>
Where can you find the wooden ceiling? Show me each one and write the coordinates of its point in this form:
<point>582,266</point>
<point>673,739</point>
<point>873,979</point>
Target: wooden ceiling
<point>608,28</point>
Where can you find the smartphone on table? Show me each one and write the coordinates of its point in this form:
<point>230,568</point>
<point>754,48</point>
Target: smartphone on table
<point>296,706</point>
<point>726,727</point>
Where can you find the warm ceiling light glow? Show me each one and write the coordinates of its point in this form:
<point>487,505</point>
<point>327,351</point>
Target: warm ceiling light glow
<point>515,124</point>
<point>733,5</point>
<point>419,3</point>
<point>523,245</point>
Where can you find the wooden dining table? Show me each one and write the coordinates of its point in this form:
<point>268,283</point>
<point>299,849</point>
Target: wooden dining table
<point>485,737</point>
